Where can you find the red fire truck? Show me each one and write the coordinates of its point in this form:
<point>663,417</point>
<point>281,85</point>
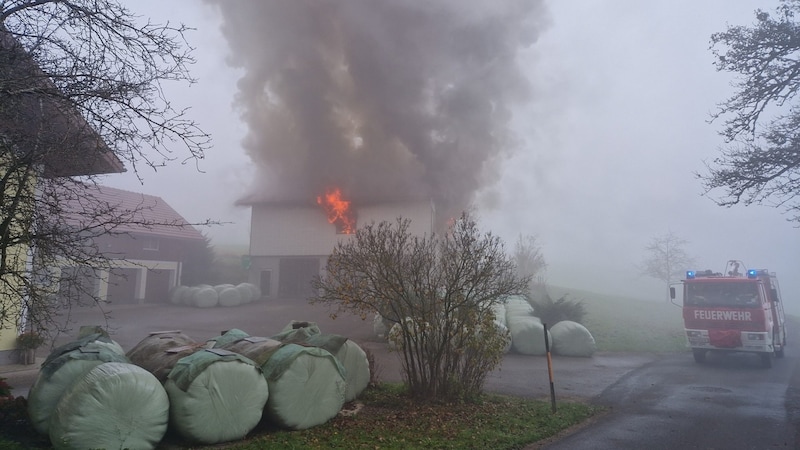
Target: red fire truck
<point>739,310</point>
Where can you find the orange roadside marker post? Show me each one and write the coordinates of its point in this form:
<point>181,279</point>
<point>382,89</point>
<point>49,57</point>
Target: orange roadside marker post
<point>550,369</point>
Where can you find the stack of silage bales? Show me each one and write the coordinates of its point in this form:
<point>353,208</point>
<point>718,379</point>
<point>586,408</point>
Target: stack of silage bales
<point>207,296</point>
<point>527,331</point>
<point>306,384</point>
<point>349,354</point>
<point>215,395</point>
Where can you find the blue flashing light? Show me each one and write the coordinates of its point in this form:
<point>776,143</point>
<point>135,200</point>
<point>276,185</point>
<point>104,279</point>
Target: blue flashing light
<point>752,273</point>
<point>690,274</point>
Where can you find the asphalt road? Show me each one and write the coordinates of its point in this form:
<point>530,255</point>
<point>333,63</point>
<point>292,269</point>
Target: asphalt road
<point>729,402</point>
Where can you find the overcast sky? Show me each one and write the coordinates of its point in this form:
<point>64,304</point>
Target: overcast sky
<point>610,141</point>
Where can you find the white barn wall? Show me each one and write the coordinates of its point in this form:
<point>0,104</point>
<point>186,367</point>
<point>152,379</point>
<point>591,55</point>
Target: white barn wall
<point>282,232</point>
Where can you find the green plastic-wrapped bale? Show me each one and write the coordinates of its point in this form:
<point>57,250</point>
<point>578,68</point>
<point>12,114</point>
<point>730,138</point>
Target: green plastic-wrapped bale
<point>115,405</point>
<point>306,386</point>
<point>58,374</point>
<point>215,396</point>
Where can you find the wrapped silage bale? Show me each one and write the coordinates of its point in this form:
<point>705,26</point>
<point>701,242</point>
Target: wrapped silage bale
<point>352,357</point>
<point>62,368</point>
<point>395,337</point>
<point>379,326</point>
<point>160,350</point>
<point>499,311</point>
<point>115,405</point>
<point>254,290</point>
<point>247,294</point>
<point>205,297</point>
<point>176,294</point>
<point>215,396</point>
<point>297,331</point>
<point>230,296</point>
<point>527,335</point>
<point>306,386</point>
<point>187,296</point>
<point>257,349</point>
<point>503,330</point>
<point>517,306</point>
<point>221,287</point>
<point>572,339</point>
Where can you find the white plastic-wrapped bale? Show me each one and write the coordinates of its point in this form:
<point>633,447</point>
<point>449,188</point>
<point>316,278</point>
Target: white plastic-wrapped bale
<point>221,287</point>
<point>306,386</point>
<point>187,296</point>
<point>230,297</point>
<point>502,329</point>
<point>66,365</point>
<point>379,326</point>
<point>499,311</point>
<point>255,290</point>
<point>527,335</point>
<point>205,297</point>
<point>517,306</point>
<point>215,396</point>
<point>245,293</point>
<point>572,339</point>
<point>176,294</point>
<point>115,405</point>
<point>160,350</point>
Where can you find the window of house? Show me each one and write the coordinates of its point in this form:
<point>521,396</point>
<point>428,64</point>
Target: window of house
<point>150,244</point>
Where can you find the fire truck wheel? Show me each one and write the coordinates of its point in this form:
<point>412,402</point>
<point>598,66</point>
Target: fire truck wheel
<point>699,355</point>
<point>779,352</point>
<point>766,360</point>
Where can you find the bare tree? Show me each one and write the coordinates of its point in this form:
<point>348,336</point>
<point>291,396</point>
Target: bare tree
<point>80,93</point>
<point>762,161</point>
<point>529,259</point>
<point>666,259</point>
<point>437,290</point>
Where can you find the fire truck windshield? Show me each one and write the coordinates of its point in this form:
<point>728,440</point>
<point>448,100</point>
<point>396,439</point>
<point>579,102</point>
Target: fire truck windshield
<point>738,295</point>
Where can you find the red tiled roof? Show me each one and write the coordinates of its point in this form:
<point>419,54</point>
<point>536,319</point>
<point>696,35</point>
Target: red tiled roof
<point>161,220</point>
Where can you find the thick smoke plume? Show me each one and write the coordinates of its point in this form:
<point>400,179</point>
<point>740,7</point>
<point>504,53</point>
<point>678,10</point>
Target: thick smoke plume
<point>385,99</point>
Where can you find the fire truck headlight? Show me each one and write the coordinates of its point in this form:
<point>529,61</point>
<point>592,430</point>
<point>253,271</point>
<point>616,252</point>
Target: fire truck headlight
<point>755,337</point>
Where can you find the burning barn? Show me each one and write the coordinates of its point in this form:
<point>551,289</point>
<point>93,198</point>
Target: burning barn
<point>290,242</point>
<point>401,105</point>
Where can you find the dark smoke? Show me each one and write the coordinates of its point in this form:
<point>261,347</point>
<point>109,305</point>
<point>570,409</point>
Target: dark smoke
<point>388,100</point>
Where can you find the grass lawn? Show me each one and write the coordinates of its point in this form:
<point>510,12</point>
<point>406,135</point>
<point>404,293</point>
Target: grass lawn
<point>621,324</point>
<point>387,419</point>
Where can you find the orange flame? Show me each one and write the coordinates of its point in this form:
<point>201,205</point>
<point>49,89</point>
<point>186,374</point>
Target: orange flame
<point>338,211</point>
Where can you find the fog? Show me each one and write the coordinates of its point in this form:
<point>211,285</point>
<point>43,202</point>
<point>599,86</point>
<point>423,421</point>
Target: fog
<point>614,126</point>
